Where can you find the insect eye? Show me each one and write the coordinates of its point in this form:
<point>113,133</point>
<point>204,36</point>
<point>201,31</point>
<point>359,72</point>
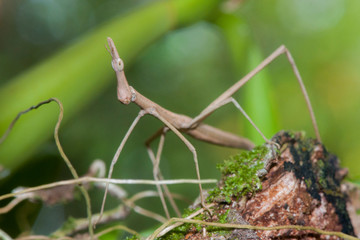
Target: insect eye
<point>117,64</point>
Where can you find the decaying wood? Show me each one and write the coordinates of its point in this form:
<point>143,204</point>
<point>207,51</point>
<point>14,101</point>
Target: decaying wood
<point>303,187</point>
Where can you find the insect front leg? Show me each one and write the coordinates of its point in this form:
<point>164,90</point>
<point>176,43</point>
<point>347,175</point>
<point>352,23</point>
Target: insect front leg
<point>188,145</point>
<point>116,157</point>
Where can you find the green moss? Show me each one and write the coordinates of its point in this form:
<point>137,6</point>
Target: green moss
<point>308,183</point>
<point>180,231</point>
<point>188,211</point>
<point>173,235</point>
<point>320,163</point>
<point>239,178</point>
<point>223,217</point>
<point>239,175</point>
<point>291,134</point>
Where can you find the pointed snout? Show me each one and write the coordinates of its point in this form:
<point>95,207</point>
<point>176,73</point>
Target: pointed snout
<point>123,89</point>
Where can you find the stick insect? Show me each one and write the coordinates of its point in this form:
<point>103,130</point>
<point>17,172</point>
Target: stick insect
<point>192,126</point>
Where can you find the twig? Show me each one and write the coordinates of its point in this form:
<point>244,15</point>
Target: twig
<point>62,153</point>
<point>12,204</point>
<point>118,213</point>
<point>169,228</point>
<point>250,227</point>
<point>7,132</point>
<point>41,237</point>
<point>70,166</point>
<point>143,194</point>
<point>130,203</point>
<point>4,235</point>
<point>105,180</point>
<point>110,229</point>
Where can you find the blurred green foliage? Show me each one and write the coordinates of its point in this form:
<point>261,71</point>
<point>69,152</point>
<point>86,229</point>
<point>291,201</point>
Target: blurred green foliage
<point>183,70</point>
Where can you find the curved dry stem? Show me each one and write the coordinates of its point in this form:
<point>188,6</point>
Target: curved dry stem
<point>70,166</point>
<point>41,237</point>
<point>169,228</point>
<point>250,227</point>
<point>78,225</point>
<point>145,212</point>
<point>8,130</point>
<point>144,194</point>
<point>105,180</point>
<point>118,227</point>
<point>12,204</point>
<point>61,151</point>
<point>117,214</point>
<point>150,193</point>
<point>131,203</point>
<point>4,236</point>
<point>118,192</point>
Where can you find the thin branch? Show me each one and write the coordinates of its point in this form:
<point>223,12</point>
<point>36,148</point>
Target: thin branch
<point>41,237</point>
<point>8,130</point>
<point>117,214</point>
<point>149,193</point>
<point>4,236</point>
<point>250,227</point>
<point>12,204</point>
<point>130,203</point>
<point>105,180</point>
<point>118,227</point>
<point>169,228</point>
<point>145,212</point>
<point>62,153</point>
<point>70,166</point>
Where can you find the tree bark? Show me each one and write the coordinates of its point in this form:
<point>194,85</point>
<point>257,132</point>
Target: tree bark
<point>302,187</point>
